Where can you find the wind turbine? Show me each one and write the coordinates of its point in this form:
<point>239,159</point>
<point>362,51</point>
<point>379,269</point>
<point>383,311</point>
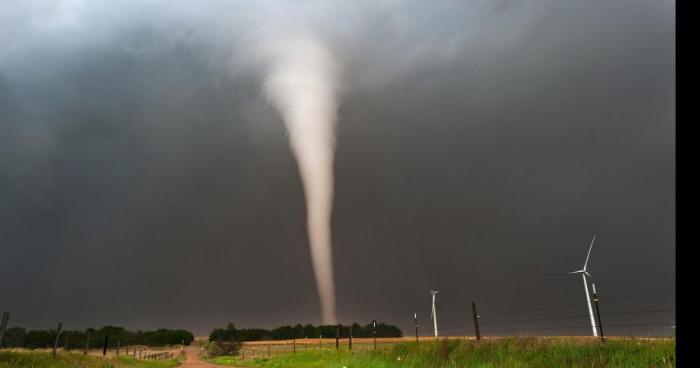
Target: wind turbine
<point>433,314</point>
<point>584,273</point>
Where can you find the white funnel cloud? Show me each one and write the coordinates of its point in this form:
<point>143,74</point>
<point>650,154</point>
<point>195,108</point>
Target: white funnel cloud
<point>302,83</point>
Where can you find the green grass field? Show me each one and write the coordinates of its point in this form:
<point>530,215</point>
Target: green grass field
<point>510,352</point>
<point>35,359</point>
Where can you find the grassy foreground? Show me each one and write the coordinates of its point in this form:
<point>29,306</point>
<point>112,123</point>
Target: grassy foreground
<point>35,359</point>
<point>510,352</point>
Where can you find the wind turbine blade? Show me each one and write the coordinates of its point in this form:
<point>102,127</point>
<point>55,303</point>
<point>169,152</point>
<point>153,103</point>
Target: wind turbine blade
<point>589,253</point>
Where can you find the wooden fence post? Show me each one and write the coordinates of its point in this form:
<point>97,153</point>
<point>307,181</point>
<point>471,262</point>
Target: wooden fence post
<point>3,326</point>
<point>104,347</point>
<point>87,342</point>
<point>55,342</point>
<point>476,322</point>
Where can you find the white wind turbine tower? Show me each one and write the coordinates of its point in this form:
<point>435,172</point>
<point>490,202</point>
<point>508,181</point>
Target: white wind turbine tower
<point>584,273</point>
<point>433,314</point>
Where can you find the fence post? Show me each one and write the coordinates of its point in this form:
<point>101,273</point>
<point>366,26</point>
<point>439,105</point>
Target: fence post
<point>415,324</point>
<point>104,347</point>
<point>476,322</point>
<point>65,341</point>
<point>3,326</point>
<point>87,342</point>
<point>350,338</point>
<point>294,346</point>
<point>374,333</point>
<point>337,336</point>
<point>597,311</point>
<point>55,342</point>
<point>118,342</point>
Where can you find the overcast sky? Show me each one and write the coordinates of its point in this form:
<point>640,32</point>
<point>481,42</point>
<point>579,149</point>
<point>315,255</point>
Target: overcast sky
<point>146,182</point>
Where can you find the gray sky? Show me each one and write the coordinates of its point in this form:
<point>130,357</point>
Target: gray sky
<point>145,181</point>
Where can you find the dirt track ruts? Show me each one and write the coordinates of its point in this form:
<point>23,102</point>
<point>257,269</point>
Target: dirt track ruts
<point>193,360</point>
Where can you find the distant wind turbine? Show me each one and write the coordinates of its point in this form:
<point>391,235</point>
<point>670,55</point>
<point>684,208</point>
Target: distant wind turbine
<point>584,272</point>
<point>433,314</point>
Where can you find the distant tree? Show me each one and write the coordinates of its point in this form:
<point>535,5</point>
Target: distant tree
<point>283,333</point>
<point>309,330</point>
<point>298,331</point>
<point>230,333</point>
<point>14,337</point>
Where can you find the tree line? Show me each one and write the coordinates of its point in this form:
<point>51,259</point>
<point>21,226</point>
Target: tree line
<point>299,331</point>
<point>18,337</point>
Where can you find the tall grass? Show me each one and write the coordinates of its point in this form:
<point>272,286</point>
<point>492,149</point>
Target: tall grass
<point>508,352</point>
<point>36,359</point>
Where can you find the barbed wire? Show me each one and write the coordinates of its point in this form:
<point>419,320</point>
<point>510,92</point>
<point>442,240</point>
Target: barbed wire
<point>567,304</point>
<point>464,324</point>
<point>35,324</point>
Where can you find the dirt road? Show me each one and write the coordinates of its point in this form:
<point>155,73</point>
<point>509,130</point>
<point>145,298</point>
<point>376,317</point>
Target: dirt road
<point>193,360</point>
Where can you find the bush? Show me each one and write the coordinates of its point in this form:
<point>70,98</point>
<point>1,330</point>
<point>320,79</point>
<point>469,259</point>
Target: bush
<point>219,348</point>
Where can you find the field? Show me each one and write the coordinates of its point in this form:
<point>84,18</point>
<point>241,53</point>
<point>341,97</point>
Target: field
<point>41,359</point>
<point>497,352</point>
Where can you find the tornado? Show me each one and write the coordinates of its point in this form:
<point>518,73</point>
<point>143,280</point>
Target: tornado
<point>301,82</point>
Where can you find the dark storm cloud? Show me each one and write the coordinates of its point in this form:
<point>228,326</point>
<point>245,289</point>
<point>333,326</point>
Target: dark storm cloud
<point>145,182</point>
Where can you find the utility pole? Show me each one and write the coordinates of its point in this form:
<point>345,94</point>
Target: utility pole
<point>55,342</point>
<point>597,311</point>
<point>434,312</point>
<point>374,333</point>
<point>3,326</point>
<point>476,316</point>
<point>415,324</point>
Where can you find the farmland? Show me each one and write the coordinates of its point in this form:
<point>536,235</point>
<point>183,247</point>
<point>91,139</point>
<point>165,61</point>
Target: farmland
<point>41,359</point>
<point>460,352</point>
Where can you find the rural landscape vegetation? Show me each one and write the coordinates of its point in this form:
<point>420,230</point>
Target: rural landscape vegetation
<point>337,184</point>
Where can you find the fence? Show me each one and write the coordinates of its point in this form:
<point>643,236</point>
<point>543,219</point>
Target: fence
<point>473,326</point>
<point>264,349</point>
<point>137,351</point>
